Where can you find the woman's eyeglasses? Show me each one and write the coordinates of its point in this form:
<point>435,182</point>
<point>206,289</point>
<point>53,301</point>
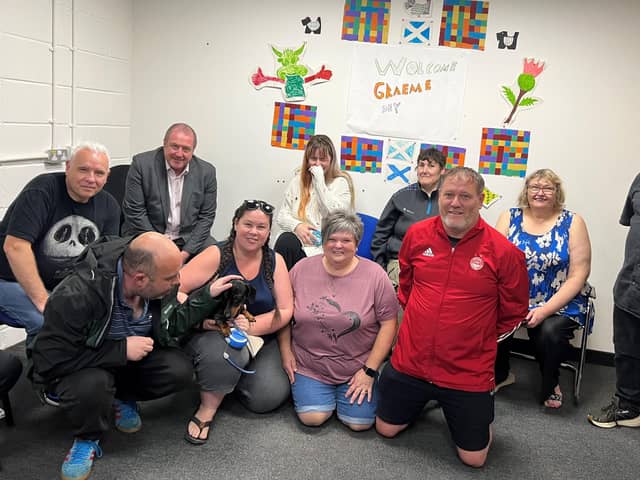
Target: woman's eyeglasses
<point>259,204</point>
<point>538,188</point>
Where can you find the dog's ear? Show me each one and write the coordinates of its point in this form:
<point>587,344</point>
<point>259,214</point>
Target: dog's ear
<point>251,293</point>
<point>228,302</point>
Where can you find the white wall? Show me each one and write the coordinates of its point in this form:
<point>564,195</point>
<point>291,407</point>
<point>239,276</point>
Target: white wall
<point>192,61</point>
<point>148,63</point>
<point>55,98</point>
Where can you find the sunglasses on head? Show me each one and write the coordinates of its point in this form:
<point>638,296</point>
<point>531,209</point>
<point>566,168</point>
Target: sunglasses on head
<point>259,204</point>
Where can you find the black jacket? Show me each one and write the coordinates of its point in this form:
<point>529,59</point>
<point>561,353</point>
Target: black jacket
<point>405,207</point>
<point>77,316</point>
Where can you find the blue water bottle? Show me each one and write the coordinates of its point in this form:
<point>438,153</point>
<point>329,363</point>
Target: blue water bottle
<point>318,236</point>
<point>237,339</point>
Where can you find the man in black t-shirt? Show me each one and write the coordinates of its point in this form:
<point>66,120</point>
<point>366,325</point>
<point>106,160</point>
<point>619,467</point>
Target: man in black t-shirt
<point>46,227</point>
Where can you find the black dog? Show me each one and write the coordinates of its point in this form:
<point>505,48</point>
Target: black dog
<point>235,300</point>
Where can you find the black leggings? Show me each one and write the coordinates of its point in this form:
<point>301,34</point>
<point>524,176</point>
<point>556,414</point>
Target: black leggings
<point>551,347</point>
<point>290,247</point>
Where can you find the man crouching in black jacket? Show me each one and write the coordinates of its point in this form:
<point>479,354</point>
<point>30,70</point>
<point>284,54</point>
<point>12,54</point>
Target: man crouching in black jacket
<point>107,337</point>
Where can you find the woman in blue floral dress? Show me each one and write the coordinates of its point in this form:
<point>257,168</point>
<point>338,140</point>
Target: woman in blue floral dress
<point>558,253</point>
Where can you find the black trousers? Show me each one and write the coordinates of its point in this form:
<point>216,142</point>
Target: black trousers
<point>10,369</point>
<point>87,395</point>
<point>290,247</point>
<point>626,341</point>
<point>551,347</point>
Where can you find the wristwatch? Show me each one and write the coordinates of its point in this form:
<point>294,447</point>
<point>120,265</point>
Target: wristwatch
<point>370,371</point>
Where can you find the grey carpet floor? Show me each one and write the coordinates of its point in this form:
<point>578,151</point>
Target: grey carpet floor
<point>529,442</point>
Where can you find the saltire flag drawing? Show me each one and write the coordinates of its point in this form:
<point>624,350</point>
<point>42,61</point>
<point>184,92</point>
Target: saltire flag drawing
<point>416,31</point>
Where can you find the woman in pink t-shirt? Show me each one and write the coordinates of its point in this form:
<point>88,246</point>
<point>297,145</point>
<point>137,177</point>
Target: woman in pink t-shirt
<point>345,311</point>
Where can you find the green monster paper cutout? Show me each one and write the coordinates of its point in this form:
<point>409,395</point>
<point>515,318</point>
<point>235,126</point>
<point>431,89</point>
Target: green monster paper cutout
<point>291,75</point>
<point>526,82</point>
<point>291,71</point>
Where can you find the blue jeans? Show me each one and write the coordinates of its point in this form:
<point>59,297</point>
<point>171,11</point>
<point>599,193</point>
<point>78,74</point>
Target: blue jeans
<point>18,309</point>
<point>311,395</point>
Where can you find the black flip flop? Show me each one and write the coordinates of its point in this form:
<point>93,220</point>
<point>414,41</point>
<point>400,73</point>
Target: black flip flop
<point>201,425</point>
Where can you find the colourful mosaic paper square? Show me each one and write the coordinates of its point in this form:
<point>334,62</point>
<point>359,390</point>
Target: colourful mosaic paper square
<point>454,155</point>
<point>464,24</point>
<point>504,152</point>
<point>366,20</point>
<point>293,125</point>
<point>358,154</point>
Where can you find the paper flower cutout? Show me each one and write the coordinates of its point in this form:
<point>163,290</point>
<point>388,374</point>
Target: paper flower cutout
<point>526,83</point>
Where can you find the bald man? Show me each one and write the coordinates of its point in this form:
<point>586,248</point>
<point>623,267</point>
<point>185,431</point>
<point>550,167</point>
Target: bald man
<point>46,227</point>
<point>109,335</point>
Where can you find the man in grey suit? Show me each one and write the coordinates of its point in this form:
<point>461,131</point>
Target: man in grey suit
<point>171,191</point>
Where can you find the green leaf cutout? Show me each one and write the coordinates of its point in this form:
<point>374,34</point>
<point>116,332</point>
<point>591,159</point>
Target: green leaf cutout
<point>527,102</point>
<point>509,94</point>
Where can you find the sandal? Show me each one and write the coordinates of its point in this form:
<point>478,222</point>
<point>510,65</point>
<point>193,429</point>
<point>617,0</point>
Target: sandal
<point>197,440</point>
<point>554,397</point>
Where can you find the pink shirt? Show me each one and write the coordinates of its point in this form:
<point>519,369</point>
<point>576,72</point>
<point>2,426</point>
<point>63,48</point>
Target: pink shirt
<point>337,319</point>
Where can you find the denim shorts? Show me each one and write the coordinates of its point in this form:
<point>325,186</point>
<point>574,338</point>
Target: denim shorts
<point>310,395</point>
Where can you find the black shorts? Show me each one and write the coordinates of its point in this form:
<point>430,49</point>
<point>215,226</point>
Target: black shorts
<point>468,414</point>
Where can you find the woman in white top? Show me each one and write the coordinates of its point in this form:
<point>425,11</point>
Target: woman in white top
<point>320,188</point>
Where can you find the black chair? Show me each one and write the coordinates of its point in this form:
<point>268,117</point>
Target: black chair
<point>116,185</point>
<point>576,366</point>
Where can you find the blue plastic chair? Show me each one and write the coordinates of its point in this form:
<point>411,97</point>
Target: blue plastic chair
<point>364,248</point>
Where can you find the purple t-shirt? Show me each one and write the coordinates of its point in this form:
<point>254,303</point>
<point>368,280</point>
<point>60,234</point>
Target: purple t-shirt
<point>338,318</point>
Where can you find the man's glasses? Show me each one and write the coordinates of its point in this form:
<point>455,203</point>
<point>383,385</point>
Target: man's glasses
<point>538,188</point>
<point>259,204</point>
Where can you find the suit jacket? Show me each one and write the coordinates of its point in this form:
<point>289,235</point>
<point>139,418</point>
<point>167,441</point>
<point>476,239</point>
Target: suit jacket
<point>146,203</point>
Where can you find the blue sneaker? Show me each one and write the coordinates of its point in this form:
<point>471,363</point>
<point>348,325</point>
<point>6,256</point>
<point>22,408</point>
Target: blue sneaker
<point>78,462</point>
<point>127,418</point>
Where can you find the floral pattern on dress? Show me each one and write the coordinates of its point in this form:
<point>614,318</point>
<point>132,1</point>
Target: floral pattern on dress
<point>547,257</point>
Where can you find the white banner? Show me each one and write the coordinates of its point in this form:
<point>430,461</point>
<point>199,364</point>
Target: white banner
<point>407,92</point>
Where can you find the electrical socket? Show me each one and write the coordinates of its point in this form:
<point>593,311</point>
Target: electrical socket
<point>58,155</point>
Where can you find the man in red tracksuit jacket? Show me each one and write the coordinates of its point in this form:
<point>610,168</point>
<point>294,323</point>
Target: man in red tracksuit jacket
<point>463,285</point>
